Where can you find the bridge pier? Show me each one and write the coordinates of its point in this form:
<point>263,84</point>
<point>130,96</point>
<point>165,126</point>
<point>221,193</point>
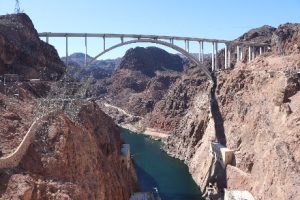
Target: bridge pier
<point>104,43</point>
<point>226,61</point>
<point>260,50</point>
<point>249,54</point>
<point>171,41</point>
<point>122,39</point>
<point>229,60</point>
<point>67,54</point>
<point>241,52</point>
<point>237,53</point>
<point>201,53</point>
<point>85,56</point>
<point>216,56</point>
<point>187,45</point>
<point>213,57</point>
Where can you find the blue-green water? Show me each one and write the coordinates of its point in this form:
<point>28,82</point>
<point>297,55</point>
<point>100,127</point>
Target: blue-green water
<point>155,168</point>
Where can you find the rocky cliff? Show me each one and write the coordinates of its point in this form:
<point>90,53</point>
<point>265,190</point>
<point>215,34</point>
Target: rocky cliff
<point>23,53</point>
<point>142,78</point>
<point>256,114</point>
<point>72,161</point>
<point>76,153</point>
<point>176,103</point>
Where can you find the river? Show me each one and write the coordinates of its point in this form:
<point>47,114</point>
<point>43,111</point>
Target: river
<point>155,168</point>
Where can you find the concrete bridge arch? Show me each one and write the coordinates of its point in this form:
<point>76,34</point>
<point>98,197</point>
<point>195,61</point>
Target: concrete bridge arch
<point>170,45</point>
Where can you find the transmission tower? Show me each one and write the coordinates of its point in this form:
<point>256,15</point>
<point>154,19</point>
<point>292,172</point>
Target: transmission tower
<point>17,7</point>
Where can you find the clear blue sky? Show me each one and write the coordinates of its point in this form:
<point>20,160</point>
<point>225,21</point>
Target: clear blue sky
<point>222,19</point>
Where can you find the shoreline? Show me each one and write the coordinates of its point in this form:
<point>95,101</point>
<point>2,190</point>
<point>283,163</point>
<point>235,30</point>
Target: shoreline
<point>153,133</point>
<point>138,128</point>
<point>156,133</point>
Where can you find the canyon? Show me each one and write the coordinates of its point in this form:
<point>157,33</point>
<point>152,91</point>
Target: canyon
<point>255,113</point>
<point>252,108</point>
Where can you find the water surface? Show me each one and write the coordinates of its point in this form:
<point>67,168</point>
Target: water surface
<point>155,168</point>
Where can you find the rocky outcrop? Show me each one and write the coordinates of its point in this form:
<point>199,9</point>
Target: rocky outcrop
<point>23,53</point>
<point>149,60</point>
<point>69,155</point>
<point>258,35</point>
<point>286,39</point>
<point>169,111</point>
<point>15,121</point>
<point>142,78</point>
<point>74,161</point>
<point>257,108</point>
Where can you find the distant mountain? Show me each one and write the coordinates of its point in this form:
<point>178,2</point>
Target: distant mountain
<point>99,69</point>
<point>149,60</point>
<point>142,78</point>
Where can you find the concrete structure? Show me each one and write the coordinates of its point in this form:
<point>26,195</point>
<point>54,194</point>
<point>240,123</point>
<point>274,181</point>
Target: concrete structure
<point>125,155</point>
<point>213,66</point>
<point>161,39</point>
<point>201,52</point>
<point>237,195</point>
<point>222,154</point>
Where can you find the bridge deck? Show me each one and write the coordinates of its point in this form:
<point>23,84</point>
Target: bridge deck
<point>141,36</point>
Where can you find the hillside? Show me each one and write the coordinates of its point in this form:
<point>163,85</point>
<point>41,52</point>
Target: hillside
<point>99,69</point>
<point>142,78</point>
<point>51,147</point>
<point>254,111</point>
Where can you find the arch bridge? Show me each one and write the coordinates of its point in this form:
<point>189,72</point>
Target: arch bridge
<point>168,41</point>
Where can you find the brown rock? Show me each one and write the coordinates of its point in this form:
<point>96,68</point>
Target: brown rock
<point>142,79</point>
<point>19,187</point>
<point>76,162</point>
<point>23,52</point>
<point>259,109</point>
<point>11,116</point>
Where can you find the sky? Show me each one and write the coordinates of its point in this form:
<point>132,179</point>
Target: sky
<point>215,19</point>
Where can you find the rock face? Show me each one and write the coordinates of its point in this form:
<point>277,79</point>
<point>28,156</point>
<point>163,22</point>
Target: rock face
<point>257,110</point>
<point>72,161</point>
<point>142,78</point>
<point>261,35</point>
<point>177,102</point>
<point>23,53</point>
<point>149,60</point>
<point>286,39</point>
<point>15,120</point>
<point>68,159</point>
